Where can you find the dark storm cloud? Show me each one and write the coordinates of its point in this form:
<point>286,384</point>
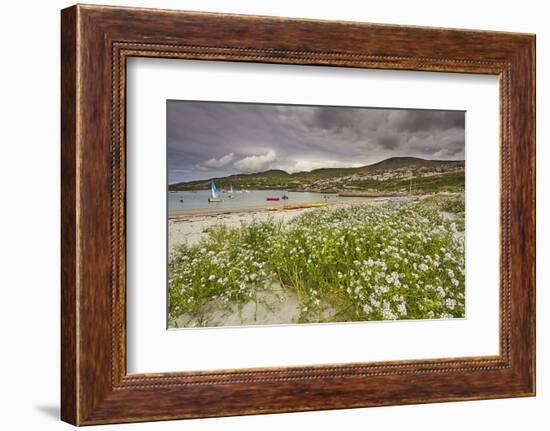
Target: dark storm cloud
<point>418,121</point>
<point>333,119</point>
<point>215,139</point>
<point>389,139</point>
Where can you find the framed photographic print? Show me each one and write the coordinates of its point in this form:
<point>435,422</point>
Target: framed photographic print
<point>267,215</point>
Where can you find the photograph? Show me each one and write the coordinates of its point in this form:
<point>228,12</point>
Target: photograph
<point>290,214</point>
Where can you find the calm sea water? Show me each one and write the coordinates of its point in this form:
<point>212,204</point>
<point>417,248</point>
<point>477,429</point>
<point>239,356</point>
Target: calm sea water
<point>181,201</point>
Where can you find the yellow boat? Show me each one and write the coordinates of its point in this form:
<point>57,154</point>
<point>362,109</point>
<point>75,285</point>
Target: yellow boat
<point>297,206</point>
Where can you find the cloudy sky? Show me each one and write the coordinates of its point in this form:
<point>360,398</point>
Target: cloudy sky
<point>214,139</point>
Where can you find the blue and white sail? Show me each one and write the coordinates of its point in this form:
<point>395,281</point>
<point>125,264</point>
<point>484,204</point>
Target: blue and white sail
<point>215,194</point>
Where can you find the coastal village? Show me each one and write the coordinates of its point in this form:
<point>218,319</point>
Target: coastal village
<point>408,173</point>
<point>390,177</point>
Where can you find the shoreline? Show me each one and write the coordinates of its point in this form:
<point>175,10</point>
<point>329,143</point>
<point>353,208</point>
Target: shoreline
<point>176,215</point>
<point>189,226</point>
<point>211,212</point>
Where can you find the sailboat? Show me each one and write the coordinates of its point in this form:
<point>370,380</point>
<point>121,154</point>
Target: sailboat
<point>214,193</point>
<point>230,196</point>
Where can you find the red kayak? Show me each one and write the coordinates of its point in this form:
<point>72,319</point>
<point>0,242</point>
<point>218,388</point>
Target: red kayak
<point>270,198</point>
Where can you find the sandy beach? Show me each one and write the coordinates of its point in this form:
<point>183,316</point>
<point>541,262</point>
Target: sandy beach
<point>271,306</point>
<point>189,226</point>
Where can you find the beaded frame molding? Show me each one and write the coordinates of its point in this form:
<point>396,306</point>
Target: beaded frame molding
<point>95,43</point>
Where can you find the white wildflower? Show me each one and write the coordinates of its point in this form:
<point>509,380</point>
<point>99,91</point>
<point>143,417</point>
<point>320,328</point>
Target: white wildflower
<point>402,309</point>
<point>450,303</point>
<point>367,308</point>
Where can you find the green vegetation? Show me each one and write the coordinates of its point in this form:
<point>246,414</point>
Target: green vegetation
<point>451,182</point>
<point>450,204</point>
<point>355,263</point>
<point>429,176</point>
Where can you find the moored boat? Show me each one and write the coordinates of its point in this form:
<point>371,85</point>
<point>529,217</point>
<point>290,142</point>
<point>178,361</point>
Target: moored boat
<point>272,198</point>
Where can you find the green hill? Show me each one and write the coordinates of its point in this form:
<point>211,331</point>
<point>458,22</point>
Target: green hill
<point>393,174</point>
<point>401,162</point>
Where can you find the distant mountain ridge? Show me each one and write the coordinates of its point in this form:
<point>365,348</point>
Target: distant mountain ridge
<point>384,175</point>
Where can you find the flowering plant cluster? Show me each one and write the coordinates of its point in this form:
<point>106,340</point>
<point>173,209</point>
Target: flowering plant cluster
<point>357,263</point>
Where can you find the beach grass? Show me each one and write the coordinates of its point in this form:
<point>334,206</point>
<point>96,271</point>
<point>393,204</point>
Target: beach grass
<point>356,263</point>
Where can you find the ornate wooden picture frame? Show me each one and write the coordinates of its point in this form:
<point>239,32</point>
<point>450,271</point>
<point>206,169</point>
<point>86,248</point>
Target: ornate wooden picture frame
<point>96,41</point>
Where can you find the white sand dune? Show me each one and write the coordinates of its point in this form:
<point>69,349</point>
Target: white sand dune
<point>272,306</point>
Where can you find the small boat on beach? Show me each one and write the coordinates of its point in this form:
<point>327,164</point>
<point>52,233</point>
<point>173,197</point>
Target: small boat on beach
<point>297,206</point>
<point>214,193</point>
